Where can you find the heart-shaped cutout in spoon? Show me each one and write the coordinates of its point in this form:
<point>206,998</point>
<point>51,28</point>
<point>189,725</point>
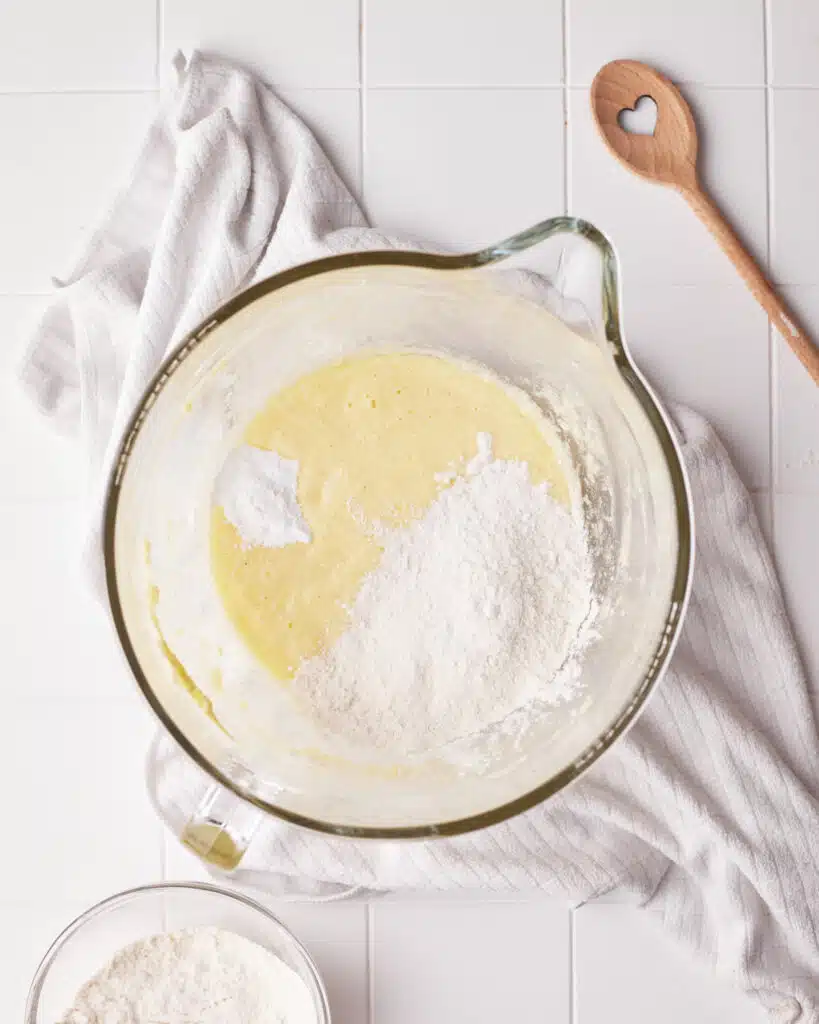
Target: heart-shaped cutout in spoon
<point>668,156</point>
<point>641,119</point>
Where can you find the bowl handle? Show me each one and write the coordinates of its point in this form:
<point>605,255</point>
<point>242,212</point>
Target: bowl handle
<point>207,818</point>
<point>220,829</point>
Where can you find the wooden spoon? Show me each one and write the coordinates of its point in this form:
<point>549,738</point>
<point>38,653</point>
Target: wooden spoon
<point>669,157</point>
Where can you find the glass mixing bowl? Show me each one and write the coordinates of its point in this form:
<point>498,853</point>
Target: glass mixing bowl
<point>567,354</point>
<point>95,937</point>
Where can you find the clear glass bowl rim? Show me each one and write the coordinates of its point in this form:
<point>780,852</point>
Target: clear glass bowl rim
<point>121,899</point>
<point>658,419</point>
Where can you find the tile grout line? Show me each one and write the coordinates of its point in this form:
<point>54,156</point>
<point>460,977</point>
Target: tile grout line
<point>27,93</point>
<point>157,40</point>
<point>773,361</point>
<point>462,86</point>
<point>408,87</point>
<point>362,98</point>
<point>566,157</point>
<point>552,87</point>
<point>163,853</point>
<point>567,199</point>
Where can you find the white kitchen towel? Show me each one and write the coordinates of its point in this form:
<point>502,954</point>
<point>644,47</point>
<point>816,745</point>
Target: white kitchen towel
<point>707,811</point>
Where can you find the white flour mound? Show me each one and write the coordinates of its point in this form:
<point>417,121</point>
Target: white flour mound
<point>256,489</point>
<point>476,610</point>
<point>201,975</point>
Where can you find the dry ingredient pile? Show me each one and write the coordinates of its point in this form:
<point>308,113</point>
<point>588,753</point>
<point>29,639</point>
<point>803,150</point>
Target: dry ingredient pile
<point>195,976</point>
<point>477,610</point>
<point>471,608</point>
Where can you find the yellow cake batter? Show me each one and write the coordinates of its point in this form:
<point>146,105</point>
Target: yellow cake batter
<point>374,437</point>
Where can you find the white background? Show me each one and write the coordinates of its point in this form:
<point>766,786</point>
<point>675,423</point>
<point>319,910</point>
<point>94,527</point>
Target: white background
<point>461,121</point>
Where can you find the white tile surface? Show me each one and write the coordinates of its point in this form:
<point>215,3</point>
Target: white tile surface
<point>795,199</point>
<point>81,657</point>
<point>313,43</point>
<point>658,237</point>
<point>691,358</point>
<point>445,962</point>
<point>180,864</point>
<point>463,167</point>
<point>456,896</point>
<point>334,117</point>
<point>18,315</point>
<point>697,41</point>
<point>798,454</point>
<point>82,823</point>
<point>794,42</point>
<point>628,970</point>
<point>34,924</point>
<point>336,936</point>
<point>45,466</point>
<point>459,42</point>
<point>47,46</point>
<point>63,157</point>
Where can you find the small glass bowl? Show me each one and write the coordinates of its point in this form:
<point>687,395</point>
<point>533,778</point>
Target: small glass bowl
<point>93,939</point>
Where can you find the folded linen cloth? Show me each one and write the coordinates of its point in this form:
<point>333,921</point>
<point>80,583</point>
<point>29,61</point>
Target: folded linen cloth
<point>706,811</point>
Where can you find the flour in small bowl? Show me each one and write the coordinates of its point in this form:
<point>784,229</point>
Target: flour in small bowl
<point>477,610</point>
<point>194,976</point>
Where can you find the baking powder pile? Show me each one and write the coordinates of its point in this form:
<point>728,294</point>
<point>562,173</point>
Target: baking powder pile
<point>195,976</point>
<point>476,610</point>
<point>256,490</point>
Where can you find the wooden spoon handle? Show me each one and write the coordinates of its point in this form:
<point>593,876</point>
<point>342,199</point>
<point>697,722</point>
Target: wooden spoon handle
<point>784,322</point>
